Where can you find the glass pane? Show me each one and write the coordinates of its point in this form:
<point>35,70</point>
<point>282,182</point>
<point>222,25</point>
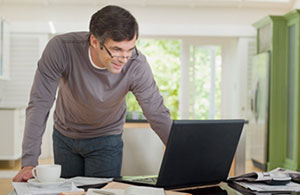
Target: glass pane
<point>205,82</point>
<point>164,59</point>
<point>1,48</point>
<point>291,91</point>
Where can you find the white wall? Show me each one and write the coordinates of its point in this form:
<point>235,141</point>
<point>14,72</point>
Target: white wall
<point>143,152</point>
<point>296,4</point>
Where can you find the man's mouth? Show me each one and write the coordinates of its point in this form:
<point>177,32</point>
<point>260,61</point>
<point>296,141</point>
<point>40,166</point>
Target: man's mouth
<point>117,66</point>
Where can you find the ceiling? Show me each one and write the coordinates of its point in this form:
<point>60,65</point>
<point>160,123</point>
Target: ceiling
<point>187,3</point>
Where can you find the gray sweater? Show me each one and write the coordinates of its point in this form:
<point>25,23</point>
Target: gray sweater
<point>90,101</point>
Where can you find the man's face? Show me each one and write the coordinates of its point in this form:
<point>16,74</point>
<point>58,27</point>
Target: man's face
<point>118,57</point>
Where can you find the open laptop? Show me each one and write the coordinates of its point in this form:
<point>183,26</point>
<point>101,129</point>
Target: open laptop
<point>198,152</point>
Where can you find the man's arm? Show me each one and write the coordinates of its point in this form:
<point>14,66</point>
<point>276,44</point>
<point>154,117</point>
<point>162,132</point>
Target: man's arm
<point>50,68</point>
<point>147,94</point>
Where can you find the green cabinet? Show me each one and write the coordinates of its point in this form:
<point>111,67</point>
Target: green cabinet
<point>291,142</point>
<point>280,36</point>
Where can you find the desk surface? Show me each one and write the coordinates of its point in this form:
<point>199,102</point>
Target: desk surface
<point>220,189</point>
<point>118,185</point>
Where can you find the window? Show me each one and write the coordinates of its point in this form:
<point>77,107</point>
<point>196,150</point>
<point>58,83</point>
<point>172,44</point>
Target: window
<point>204,82</point>
<point>1,48</point>
<point>164,58</point>
<point>4,50</point>
<point>199,95</point>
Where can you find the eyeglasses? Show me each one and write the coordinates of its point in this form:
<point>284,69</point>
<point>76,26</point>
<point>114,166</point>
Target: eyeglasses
<point>133,55</point>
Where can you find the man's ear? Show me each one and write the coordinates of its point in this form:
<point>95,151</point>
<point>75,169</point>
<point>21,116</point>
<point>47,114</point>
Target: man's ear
<point>94,42</point>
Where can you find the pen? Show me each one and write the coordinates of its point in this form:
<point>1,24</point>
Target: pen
<point>103,192</point>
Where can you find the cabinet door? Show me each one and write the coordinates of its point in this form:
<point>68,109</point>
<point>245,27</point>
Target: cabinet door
<point>291,140</point>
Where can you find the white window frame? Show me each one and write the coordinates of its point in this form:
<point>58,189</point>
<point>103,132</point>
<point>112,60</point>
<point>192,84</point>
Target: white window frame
<point>4,50</point>
<point>184,102</point>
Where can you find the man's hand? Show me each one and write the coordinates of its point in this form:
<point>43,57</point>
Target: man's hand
<point>24,174</point>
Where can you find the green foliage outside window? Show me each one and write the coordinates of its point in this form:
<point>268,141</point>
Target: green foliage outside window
<point>200,82</point>
<point>164,59</point>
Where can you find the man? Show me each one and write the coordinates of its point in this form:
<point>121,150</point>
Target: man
<point>94,71</point>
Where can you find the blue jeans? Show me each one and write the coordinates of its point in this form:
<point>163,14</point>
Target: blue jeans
<point>94,157</point>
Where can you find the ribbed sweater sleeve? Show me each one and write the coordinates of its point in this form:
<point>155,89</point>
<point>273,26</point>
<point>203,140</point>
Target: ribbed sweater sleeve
<point>42,95</point>
<point>147,94</point>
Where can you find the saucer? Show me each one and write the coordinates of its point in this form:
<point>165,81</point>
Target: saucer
<point>37,183</point>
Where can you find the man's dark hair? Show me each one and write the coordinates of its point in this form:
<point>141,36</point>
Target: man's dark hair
<point>115,23</point>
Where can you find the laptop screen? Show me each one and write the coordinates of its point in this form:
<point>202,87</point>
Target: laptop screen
<point>199,152</point>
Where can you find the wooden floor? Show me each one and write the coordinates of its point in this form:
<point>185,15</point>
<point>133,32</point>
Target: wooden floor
<point>6,184</point>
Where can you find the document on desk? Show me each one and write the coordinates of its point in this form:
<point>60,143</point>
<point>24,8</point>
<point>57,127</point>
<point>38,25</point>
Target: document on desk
<point>23,188</point>
<point>277,175</point>
<point>82,181</point>
<point>277,180</point>
<point>131,190</point>
<point>261,187</point>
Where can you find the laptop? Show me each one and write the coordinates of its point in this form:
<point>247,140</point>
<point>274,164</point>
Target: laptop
<point>198,152</point>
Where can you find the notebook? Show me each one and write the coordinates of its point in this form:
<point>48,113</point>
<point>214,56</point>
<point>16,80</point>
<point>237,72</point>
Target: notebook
<point>198,152</point>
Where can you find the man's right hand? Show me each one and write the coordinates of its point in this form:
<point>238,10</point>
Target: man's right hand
<point>24,174</point>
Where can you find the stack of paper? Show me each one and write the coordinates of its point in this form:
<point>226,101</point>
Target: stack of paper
<point>69,185</point>
<point>131,190</point>
<point>83,181</point>
<point>277,180</point>
<point>260,187</point>
<point>28,189</point>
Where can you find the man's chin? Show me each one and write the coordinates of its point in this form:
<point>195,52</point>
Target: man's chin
<point>115,71</point>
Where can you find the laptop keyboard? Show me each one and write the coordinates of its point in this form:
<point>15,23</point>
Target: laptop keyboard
<point>149,180</point>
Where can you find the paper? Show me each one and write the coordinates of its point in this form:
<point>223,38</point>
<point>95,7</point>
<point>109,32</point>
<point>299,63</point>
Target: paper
<point>94,191</point>
<point>82,181</point>
<point>260,187</point>
<point>131,190</point>
<point>138,190</point>
<point>260,181</point>
<point>23,188</point>
<point>276,174</point>
<point>69,186</point>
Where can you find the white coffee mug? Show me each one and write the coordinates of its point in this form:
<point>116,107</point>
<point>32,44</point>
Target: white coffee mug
<point>47,173</point>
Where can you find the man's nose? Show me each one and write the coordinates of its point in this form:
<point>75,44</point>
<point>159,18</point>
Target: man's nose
<point>123,59</point>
